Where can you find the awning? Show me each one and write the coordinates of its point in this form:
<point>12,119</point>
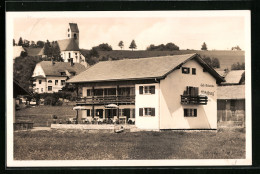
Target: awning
<point>80,108</point>
<point>111,106</point>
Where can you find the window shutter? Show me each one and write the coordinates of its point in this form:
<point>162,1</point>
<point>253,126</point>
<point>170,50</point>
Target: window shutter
<point>141,89</point>
<point>185,112</point>
<point>152,89</point>
<point>195,112</point>
<point>196,91</point>
<point>188,70</point>
<point>153,111</point>
<point>140,111</point>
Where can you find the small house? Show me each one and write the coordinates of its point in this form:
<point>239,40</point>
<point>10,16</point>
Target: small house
<point>50,76</point>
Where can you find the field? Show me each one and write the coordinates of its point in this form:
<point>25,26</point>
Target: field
<point>82,145</point>
<point>226,58</point>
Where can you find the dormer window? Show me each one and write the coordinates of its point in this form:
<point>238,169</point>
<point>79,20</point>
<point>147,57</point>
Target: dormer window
<point>63,73</point>
<point>185,70</point>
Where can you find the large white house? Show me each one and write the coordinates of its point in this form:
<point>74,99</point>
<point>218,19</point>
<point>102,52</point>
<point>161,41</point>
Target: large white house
<point>169,92</point>
<point>50,76</point>
<point>69,47</point>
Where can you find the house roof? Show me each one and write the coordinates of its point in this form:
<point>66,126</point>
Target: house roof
<point>56,69</point>
<point>233,77</point>
<point>221,72</point>
<point>68,45</point>
<point>231,92</point>
<point>74,27</point>
<point>17,51</point>
<point>18,89</point>
<point>133,69</point>
<point>34,51</point>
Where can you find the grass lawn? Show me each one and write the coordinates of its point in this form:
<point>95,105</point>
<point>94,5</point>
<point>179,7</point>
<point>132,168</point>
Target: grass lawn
<point>41,116</point>
<point>81,145</point>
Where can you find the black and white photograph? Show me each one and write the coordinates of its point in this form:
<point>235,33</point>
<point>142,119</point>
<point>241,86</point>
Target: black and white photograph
<point>128,88</point>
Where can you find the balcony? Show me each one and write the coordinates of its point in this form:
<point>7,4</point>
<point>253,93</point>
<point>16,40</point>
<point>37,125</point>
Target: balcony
<point>104,100</point>
<point>194,100</point>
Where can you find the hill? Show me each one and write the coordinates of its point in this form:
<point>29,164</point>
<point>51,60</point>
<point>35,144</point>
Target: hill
<point>226,58</point>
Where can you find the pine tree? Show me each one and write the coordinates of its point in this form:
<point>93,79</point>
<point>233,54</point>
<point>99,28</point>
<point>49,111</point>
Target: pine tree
<point>133,45</point>
<point>20,42</point>
<point>204,46</point>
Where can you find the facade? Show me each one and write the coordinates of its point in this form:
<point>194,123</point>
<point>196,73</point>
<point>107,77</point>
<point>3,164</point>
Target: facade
<point>70,47</point>
<point>170,92</point>
<point>49,76</point>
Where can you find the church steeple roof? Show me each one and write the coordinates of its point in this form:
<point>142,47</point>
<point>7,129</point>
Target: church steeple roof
<point>74,27</point>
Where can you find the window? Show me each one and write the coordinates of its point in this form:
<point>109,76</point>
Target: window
<point>190,112</point>
<point>89,92</point>
<point>69,55</point>
<point>75,36</point>
<point>63,73</point>
<point>146,89</point>
<point>109,91</point>
<point>98,92</point>
<point>146,111</point>
<point>41,89</point>
<point>40,81</point>
<point>73,73</point>
<point>49,81</point>
<point>191,91</point>
<point>68,35</point>
<point>49,88</point>
<point>193,71</point>
<point>62,82</point>
<point>88,112</point>
<point>56,82</point>
<point>68,30</point>
<point>185,70</point>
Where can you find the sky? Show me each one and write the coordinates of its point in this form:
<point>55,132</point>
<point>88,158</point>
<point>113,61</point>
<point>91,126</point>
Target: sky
<point>219,33</point>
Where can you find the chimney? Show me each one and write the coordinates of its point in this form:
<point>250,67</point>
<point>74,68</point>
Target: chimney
<point>71,62</point>
<point>52,61</point>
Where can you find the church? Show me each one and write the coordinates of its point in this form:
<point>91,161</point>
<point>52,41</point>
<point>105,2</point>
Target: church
<point>69,47</point>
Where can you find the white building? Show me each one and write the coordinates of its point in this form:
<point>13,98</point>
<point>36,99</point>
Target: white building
<point>169,92</point>
<point>51,76</point>
<point>69,47</point>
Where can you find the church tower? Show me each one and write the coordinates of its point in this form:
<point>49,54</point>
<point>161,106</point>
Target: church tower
<point>73,32</point>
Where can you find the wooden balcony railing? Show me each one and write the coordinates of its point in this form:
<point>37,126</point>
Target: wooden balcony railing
<point>107,100</point>
<point>194,100</point>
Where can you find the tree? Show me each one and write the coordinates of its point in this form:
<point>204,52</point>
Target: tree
<point>47,49</point>
<point>168,47</point>
<point>103,47</point>
<point>26,43</point>
<point>14,42</point>
<point>238,66</point>
<point>213,62</point>
<point>121,44</point>
<point>40,44</point>
<point>20,42</point>
<point>23,69</point>
<point>133,45</point>
<point>204,46</point>
<point>33,45</point>
<point>236,48</point>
